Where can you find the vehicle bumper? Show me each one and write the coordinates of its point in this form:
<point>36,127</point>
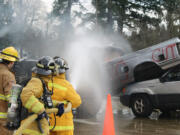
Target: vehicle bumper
<point>125,100</point>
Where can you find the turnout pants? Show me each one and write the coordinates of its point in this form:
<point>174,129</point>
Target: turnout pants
<point>70,132</point>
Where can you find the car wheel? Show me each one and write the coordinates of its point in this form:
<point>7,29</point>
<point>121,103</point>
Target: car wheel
<point>141,106</point>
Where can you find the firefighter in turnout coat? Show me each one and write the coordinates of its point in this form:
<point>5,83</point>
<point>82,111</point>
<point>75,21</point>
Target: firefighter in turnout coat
<point>8,56</point>
<point>64,92</point>
<point>32,94</point>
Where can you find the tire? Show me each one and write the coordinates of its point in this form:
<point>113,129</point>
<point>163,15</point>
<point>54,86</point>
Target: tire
<point>141,106</point>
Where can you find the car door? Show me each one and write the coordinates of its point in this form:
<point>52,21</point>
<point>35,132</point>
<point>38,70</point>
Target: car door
<point>170,89</point>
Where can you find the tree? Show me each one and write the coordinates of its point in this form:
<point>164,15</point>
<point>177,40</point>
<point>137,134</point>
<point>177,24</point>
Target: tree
<point>5,20</point>
<point>127,14</point>
<point>148,36</point>
<point>101,12</point>
<point>104,14</point>
<point>136,14</point>
<point>62,9</point>
<point>172,17</point>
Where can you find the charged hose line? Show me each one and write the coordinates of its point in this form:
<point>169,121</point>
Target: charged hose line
<point>52,94</point>
<point>40,127</point>
<point>33,117</point>
<point>54,122</point>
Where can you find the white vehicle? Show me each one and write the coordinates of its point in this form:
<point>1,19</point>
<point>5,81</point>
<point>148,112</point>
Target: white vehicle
<point>163,93</point>
<point>145,64</point>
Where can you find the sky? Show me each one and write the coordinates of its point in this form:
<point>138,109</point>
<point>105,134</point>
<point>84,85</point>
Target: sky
<point>48,3</point>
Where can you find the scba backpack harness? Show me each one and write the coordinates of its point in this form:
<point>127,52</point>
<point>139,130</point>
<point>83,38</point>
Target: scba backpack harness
<point>17,113</point>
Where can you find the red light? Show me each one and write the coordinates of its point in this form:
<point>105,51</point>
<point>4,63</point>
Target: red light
<point>123,90</point>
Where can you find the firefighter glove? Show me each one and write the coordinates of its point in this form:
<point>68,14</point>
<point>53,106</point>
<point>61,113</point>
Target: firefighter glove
<point>60,109</point>
<point>42,115</point>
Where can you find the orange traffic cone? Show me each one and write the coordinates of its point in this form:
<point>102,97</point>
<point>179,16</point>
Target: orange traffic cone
<point>108,120</point>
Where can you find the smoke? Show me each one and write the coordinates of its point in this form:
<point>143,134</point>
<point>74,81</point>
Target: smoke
<point>4,31</point>
<point>23,22</point>
<point>87,54</point>
<point>84,49</point>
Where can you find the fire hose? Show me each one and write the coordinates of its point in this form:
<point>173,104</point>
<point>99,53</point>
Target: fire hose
<point>33,117</point>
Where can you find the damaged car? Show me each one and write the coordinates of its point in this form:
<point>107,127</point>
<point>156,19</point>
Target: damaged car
<point>162,93</point>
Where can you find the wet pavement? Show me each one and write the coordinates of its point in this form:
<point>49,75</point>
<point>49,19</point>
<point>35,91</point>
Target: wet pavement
<point>127,124</point>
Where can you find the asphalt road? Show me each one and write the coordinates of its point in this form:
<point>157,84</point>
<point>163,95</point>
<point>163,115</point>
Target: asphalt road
<point>127,124</point>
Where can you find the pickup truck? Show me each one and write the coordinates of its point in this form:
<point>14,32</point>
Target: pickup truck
<point>145,64</point>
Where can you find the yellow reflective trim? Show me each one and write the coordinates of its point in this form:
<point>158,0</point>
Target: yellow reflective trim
<point>57,86</point>
<point>37,107</point>
<point>30,102</point>
<point>65,102</point>
<point>2,97</point>
<point>40,65</point>
<point>61,128</point>
<point>31,132</point>
<point>8,97</point>
<point>51,67</point>
<point>55,102</point>
<point>5,98</point>
<point>3,115</point>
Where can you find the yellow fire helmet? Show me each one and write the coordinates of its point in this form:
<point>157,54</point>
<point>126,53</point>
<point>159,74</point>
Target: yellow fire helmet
<point>10,54</point>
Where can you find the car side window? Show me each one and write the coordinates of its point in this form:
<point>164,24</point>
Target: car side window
<point>173,76</point>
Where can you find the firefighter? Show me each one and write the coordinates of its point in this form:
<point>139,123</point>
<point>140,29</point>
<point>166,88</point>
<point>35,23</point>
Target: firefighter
<point>33,97</point>
<point>64,92</point>
<point>8,56</point>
